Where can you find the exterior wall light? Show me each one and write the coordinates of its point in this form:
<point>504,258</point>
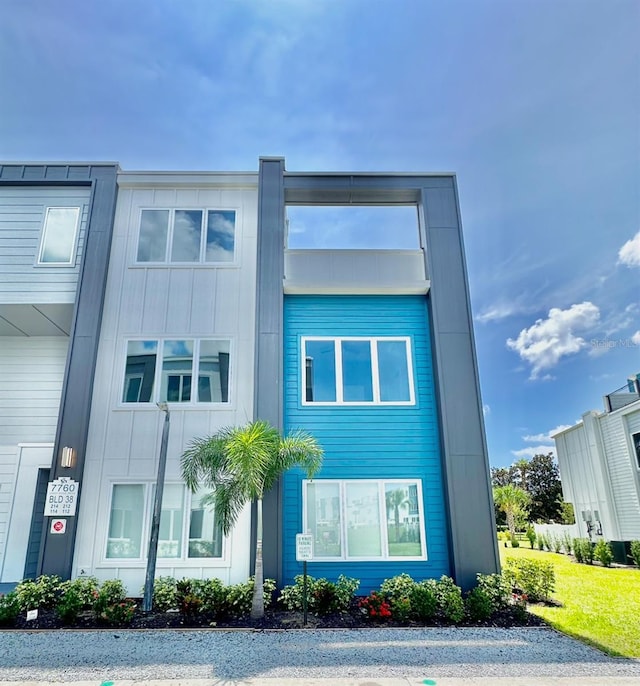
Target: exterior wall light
<point>68,458</point>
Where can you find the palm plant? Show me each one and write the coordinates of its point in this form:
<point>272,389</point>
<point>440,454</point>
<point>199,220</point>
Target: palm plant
<point>239,465</point>
<point>514,502</point>
<point>395,500</point>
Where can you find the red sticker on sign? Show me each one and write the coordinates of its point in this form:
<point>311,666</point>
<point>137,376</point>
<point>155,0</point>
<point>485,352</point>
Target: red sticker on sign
<point>58,526</point>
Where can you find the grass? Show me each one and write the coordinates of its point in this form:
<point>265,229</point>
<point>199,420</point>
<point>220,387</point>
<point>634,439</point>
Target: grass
<point>599,605</point>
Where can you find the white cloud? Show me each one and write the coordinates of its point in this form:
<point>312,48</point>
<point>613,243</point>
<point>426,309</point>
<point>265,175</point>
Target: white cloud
<point>534,450</point>
<point>497,312</point>
<point>629,253</point>
<point>543,344</point>
<point>486,410</point>
<point>548,437</point>
<point>636,338</point>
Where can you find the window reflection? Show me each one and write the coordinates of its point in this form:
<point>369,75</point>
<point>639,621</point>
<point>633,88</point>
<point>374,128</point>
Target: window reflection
<point>59,235</point>
<point>393,371</point>
<point>140,371</point>
<point>357,380</point>
<point>187,232</point>
<point>323,518</point>
<point>213,372</point>
<point>177,371</point>
<point>152,242</point>
<point>320,371</point>
<point>221,226</point>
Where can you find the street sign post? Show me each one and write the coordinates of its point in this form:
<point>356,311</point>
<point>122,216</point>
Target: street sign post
<point>304,552</point>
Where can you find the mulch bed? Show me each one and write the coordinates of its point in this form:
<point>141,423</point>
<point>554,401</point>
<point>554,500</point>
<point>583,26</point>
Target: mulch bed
<point>273,620</point>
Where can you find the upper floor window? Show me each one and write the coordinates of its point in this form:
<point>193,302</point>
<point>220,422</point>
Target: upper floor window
<point>59,236</point>
<point>191,370</point>
<point>364,519</point>
<point>635,440</point>
<point>357,371</point>
<point>186,236</point>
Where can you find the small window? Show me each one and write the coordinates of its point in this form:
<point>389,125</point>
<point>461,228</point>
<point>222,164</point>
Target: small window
<point>59,236</point>
<point>177,371</point>
<point>152,241</point>
<point>357,371</point>
<point>140,371</point>
<point>195,236</point>
<point>365,519</point>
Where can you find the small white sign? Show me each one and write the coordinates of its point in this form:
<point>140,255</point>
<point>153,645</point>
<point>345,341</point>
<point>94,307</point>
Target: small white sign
<point>304,547</point>
<point>58,526</point>
<point>62,497</point>
<point>31,615</point>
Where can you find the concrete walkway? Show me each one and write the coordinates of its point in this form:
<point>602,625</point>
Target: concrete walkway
<point>368,657</point>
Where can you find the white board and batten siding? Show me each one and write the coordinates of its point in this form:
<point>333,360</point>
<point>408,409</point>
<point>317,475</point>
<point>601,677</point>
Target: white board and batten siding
<point>168,301</point>
<point>617,428</point>
<point>22,213</point>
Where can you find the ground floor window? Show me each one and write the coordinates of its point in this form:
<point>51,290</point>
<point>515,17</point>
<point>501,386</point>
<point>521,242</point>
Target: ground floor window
<point>365,519</point>
<point>188,526</point>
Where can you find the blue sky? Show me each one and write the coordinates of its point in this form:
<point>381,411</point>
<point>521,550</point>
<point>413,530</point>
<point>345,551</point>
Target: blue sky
<point>534,104</point>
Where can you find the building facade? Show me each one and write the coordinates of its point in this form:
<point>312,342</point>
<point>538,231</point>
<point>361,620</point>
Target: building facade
<point>180,288</point>
<point>599,461</point>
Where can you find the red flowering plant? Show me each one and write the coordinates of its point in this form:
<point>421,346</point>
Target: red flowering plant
<point>375,606</point>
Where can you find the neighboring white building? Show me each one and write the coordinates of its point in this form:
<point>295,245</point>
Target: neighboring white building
<point>599,460</point>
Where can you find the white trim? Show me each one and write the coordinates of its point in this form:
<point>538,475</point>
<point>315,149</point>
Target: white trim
<point>375,371</point>
<point>74,244</point>
<point>384,543</point>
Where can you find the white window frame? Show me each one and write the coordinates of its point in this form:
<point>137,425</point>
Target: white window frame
<point>43,237</point>
<point>375,372</point>
<point>201,261</point>
<point>195,366</point>
<point>385,557</point>
<point>183,560</point>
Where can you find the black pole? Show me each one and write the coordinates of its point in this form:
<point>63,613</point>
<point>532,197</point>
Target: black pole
<point>152,555</point>
<point>304,591</point>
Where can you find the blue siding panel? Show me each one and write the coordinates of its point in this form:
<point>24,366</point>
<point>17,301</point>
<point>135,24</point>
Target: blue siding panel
<point>366,442</point>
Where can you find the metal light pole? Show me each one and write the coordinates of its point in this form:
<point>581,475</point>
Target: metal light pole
<point>152,555</point>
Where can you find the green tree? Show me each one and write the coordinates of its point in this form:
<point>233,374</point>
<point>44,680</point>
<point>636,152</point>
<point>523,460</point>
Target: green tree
<point>239,465</point>
<point>545,489</point>
<point>514,502</point>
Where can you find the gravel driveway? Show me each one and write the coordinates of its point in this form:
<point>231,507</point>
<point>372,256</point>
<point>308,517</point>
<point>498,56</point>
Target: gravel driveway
<point>363,653</point>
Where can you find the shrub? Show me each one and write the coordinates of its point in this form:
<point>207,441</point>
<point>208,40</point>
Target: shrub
<point>478,604</point>
<point>214,598</point>
<point>567,542</point>
<point>239,597</point>
<point>583,550</point>
<point>577,549</point>
<point>635,552</point>
<point>496,587</point>
<point>165,593</point>
<point>111,605</point>
<point>556,543</point>
<point>42,593</point>
<point>400,586</point>
<point>70,605</point>
<point>449,600</point>
<point>9,608</point>
<point>515,543</point>
<point>531,535</point>
<point>119,614</point>
<point>424,603</point>
<point>85,587</point>
<point>547,542</point>
<point>324,596</point>
<point>533,578</point>
<point>603,553</point>
<point>401,609</point>
<point>540,541</point>
<point>187,598</point>
<point>376,606</point>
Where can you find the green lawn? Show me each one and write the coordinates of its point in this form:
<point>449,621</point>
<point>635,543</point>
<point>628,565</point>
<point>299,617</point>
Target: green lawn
<point>600,606</point>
